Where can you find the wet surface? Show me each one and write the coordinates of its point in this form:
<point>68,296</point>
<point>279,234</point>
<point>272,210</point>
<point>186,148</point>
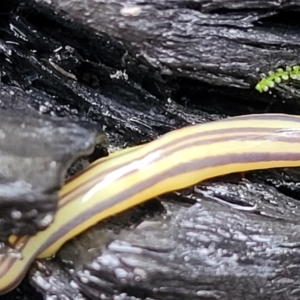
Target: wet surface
<point>36,152</point>
<point>235,237</point>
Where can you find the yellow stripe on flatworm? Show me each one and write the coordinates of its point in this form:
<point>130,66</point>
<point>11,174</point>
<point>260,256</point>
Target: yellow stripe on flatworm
<point>132,176</point>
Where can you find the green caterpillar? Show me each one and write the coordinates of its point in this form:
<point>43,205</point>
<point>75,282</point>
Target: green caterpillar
<point>276,77</point>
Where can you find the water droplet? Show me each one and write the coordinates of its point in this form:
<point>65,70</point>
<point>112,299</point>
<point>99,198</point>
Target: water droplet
<point>46,220</point>
<point>16,214</point>
<point>121,273</point>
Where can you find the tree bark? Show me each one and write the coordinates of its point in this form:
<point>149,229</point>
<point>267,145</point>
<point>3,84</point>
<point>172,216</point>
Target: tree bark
<point>142,68</point>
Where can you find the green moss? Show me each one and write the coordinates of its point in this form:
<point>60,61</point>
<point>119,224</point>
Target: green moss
<point>280,75</point>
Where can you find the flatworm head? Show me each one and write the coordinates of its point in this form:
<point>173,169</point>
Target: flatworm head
<point>277,77</point>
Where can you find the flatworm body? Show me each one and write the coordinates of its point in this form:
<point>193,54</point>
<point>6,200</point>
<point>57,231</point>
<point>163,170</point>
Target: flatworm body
<point>179,159</point>
<point>280,75</point>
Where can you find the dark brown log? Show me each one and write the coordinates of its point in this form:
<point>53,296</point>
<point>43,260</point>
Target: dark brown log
<point>141,68</point>
<point>223,43</point>
<point>36,152</point>
<point>209,250</point>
